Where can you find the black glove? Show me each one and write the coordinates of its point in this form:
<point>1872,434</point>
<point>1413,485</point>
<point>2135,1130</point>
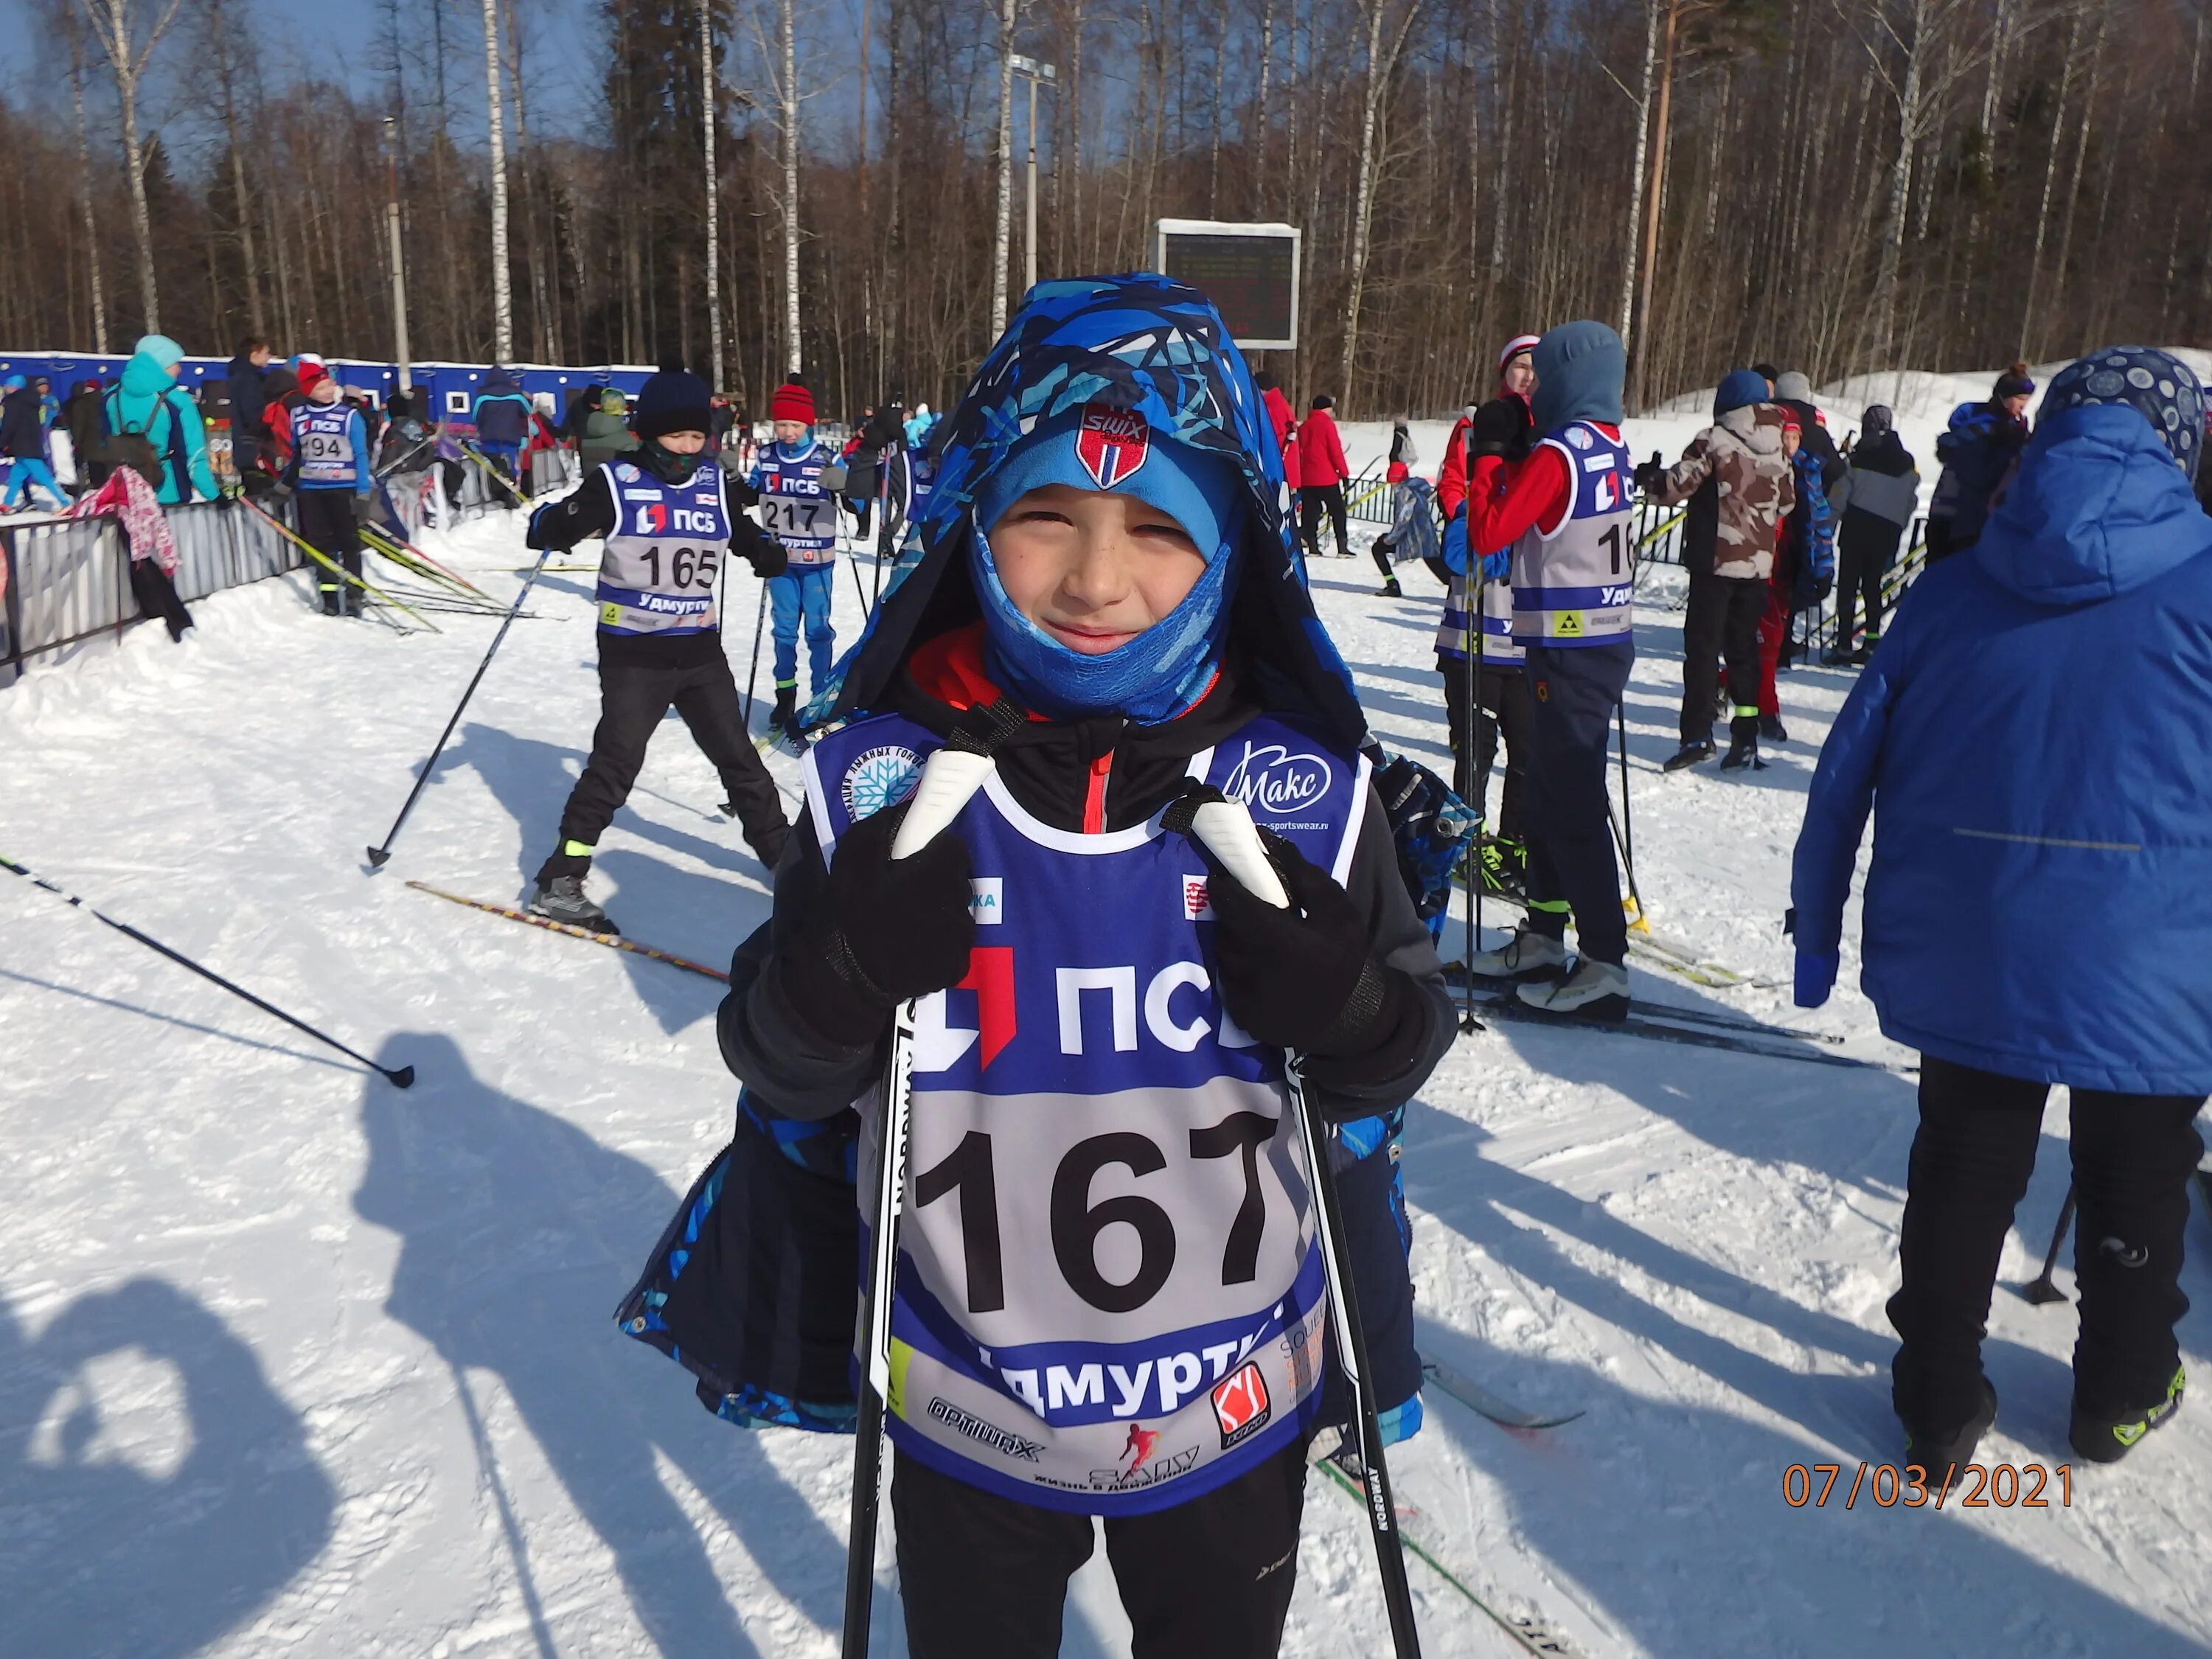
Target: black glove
<point>1500,427</point>
<point>767,555</point>
<point>1651,476</point>
<point>1301,978</point>
<point>364,509</point>
<point>1822,588</point>
<point>887,931</point>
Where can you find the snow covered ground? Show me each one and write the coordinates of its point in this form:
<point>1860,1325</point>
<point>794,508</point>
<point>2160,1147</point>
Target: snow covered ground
<point>293,1362</point>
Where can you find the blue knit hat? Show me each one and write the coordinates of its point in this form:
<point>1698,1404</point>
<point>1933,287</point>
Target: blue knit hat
<point>1739,388</point>
<point>673,400</point>
<point>1166,668</point>
<point>2159,388</point>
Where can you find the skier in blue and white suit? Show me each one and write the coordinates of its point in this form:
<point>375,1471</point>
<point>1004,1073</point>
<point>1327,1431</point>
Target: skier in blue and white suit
<point>1109,1298</point>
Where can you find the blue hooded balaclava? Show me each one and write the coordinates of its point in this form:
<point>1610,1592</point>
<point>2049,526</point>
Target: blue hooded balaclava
<point>2159,388</point>
<point>1122,355</point>
<point>1580,369</point>
<point>1738,389</point>
<point>1169,666</point>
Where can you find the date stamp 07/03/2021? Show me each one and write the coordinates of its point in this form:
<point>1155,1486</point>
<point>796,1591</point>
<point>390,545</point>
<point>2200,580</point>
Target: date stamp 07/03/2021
<point>1962,1485</point>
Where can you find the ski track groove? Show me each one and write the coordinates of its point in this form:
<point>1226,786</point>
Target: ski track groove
<point>1694,1250</point>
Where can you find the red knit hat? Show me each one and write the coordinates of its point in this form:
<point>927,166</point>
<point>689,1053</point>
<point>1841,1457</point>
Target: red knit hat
<point>792,402</point>
<point>311,374</point>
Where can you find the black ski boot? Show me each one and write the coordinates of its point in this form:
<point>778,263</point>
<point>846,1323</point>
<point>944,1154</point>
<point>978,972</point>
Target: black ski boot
<point>562,899</point>
<point>1772,728</point>
<point>2107,1437</point>
<point>1743,755</point>
<point>784,718</point>
<point>1937,1454</point>
<point>1690,754</point>
<point>1391,590</point>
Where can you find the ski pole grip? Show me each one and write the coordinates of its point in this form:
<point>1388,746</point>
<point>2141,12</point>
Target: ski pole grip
<point>1227,830</point>
<point>949,778</point>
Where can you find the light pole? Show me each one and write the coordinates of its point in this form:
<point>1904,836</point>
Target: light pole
<point>1033,71</point>
<point>398,269</point>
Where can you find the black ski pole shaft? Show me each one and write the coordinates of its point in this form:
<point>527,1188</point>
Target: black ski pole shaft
<point>1352,1360</point>
<point>752,673</point>
<point>2042,1288</point>
<point>1628,822</point>
<point>1476,660</point>
<point>381,855</point>
<point>402,1078</point>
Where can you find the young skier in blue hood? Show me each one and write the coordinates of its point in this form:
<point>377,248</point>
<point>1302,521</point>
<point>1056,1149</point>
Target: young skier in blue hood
<point>1109,1296</point>
<point>2034,727</point>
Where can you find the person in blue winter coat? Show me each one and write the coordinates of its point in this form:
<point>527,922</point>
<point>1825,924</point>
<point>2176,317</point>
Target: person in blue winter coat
<point>503,416</point>
<point>2034,730</point>
<point>1109,607</point>
<point>23,445</point>
<point>1977,448</point>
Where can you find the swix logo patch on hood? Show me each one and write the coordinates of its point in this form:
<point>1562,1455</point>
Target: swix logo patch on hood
<point>1112,444</point>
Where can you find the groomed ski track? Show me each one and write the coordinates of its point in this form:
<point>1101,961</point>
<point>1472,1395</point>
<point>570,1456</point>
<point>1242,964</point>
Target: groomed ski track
<point>292,1362</point>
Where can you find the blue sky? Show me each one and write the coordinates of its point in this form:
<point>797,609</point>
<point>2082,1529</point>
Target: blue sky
<point>333,39</point>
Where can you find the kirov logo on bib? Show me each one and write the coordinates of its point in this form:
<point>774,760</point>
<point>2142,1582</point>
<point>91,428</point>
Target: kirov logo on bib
<point>1270,778</point>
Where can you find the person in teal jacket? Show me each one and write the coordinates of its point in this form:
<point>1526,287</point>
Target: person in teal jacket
<point>149,400</point>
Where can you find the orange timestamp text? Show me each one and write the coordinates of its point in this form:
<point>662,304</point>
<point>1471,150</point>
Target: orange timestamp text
<point>1963,1485</point>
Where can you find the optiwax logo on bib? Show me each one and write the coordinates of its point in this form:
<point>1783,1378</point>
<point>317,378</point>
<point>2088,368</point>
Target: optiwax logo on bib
<point>1276,782</point>
<point>878,779</point>
<point>1112,444</point>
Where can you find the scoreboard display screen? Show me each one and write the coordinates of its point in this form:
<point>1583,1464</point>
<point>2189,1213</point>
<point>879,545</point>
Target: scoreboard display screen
<point>1250,272</point>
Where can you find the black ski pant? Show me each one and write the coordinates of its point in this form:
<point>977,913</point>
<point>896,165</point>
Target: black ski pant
<point>1866,546</point>
<point>1501,704</point>
<point>1572,694</point>
<point>2133,1156</point>
<point>1379,550</point>
<point>1208,1579</point>
<point>633,698</point>
<point>1312,500</point>
<point>326,524</point>
<point>1722,623</point>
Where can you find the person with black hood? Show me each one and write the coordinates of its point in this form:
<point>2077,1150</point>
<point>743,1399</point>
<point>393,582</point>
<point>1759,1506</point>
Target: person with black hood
<point>668,523</point>
<point>503,418</point>
<point>1877,501</point>
<point>1977,448</point>
<point>1565,513</point>
<point>1109,609</point>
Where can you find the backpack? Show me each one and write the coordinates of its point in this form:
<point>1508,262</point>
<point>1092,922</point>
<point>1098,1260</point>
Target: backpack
<point>130,446</point>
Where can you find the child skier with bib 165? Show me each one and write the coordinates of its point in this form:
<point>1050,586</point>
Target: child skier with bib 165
<point>669,526</point>
<point>1108,1294</point>
<point>800,511</point>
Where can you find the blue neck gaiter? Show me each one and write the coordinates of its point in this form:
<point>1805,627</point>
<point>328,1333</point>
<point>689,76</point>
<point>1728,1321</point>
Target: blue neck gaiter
<point>1161,672</point>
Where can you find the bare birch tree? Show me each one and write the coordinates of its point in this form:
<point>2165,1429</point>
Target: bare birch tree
<point>502,281</point>
<point>115,28</point>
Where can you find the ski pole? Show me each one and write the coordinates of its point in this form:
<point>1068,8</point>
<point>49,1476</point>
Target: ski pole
<point>1626,831</point>
<point>2042,1289</point>
<point>328,562</point>
<point>1224,828</point>
<point>378,856</point>
<point>402,1078</point>
<point>752,674</point>
<point>1476,661</point>
<point>950,776</point>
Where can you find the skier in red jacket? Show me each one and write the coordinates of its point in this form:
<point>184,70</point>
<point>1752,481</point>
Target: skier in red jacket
<point>1321,472</point>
